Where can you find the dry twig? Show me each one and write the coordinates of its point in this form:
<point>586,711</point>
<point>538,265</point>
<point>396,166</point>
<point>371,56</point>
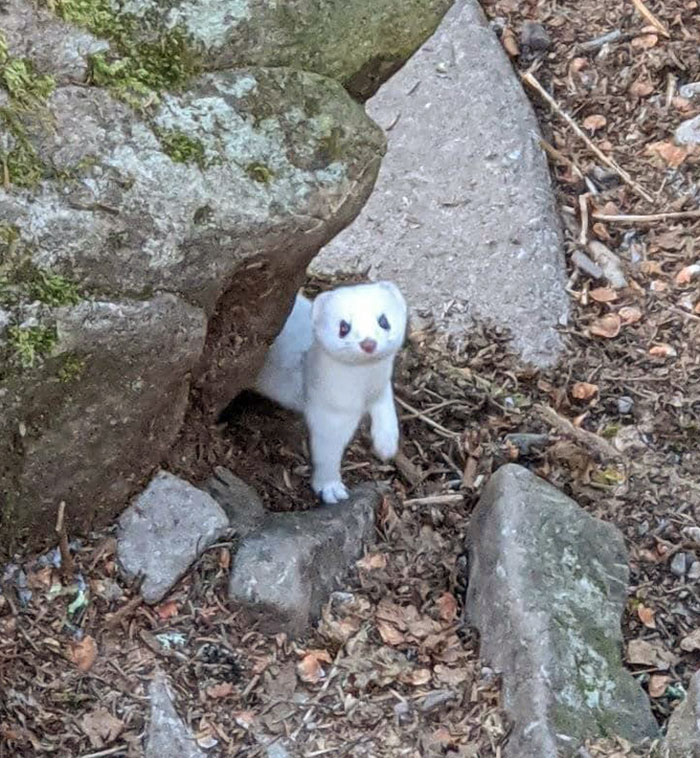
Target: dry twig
<point>66,557</point>
<point>530,79</point>
<point>645,219</point>
<point>651,18</point>
<point>593,442</point>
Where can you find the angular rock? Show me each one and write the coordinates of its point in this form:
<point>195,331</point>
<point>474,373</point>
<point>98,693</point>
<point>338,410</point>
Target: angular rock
<point>283,572</point>
<point>547,587</point>
<point>168,526</point>
<point>683,731</point>
<point>215,195</point>
<point>168,735</point>
<point>463,216</point>
<point>239,501</point>
<point>688,132</point>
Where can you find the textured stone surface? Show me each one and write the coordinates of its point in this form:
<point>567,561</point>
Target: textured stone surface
<point>559,579</point>
<point>688,132</point>
<point>240,502</point>
<point>112,396</point>
<point>218,195</point>
<point>168,735</point>
<point>359,43</point>
<point>683,731</point>
<point>164,531</point>
<point>283,572</point>
<point>463,216</point>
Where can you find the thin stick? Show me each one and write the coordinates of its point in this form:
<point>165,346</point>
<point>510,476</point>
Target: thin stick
<point>645,219</point>
<point>66,558</point>
<point>583,205</point>
<point>438,427</point>
<point>530,79</point>
<point>559,157</point>
<point>110,751</point>
<point>126,610</point>
<point>650,17</point>
<point>592,441</point>
<point>331,675</point>
<point>435,500</point>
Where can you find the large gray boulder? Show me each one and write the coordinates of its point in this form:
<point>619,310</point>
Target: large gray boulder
<point>129,229</point>
<point>463,216</point>
<point>547,587</point>
<point>358,43</point>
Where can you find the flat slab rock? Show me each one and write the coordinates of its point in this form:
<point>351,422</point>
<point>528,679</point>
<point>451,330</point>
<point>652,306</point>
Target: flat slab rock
<point>164,531</point>
<point>168,735</point>
<point>462,217</point>
<point>683,733</point>
<point>284,571</point>
<point>547,587</point>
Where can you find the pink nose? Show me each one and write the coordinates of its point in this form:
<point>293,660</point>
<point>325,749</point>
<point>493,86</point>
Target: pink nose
<point>368,345</point>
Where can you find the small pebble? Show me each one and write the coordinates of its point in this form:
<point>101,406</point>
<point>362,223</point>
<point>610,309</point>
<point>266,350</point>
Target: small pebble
<point>534,36</point>
<point>402,712</point>
<point>625,404</point>
<point>694,571</point>
<point>692,533</point>
<point>678,565</point>
<point>643,528</point>
<point>436,699</point>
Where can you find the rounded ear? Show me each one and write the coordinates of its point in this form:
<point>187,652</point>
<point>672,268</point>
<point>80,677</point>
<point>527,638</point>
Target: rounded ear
<point>395,291</point>
<point>318,305</point>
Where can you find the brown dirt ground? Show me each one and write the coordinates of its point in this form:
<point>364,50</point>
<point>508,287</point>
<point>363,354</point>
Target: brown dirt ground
<point>76,657</point>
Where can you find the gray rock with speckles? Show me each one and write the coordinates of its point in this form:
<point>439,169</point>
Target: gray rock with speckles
<point>284,571</point>
<point>168,735</point>
<point>194,218</point>
<point>463,216</point>
<point>547,587</point>
<point>167,527</point>
<point>688,132</point>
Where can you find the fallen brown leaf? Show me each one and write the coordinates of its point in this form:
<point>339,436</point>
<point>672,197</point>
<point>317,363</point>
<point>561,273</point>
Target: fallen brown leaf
<point>594,122</point>
<point>645,41</point>
<point>416,677</point>
<point>309,667</point>
<point>83,653</point>
<point>653,654</point>
<point>223,689</point>
<point>691,642</point>
<point>646,616</point>
<point>584,390</point>
<point>224,558</point>
<point>447,607</point>
<point>658,684</point>
<point>510,43</point>
<point>663,351</point>
<point>641,88</point>
<point>167,610</point>
<point>101,727</point>
<point>603,294</point>
<point>688,273</point>
<point>669,152</point>
<point>389,633</point>
<point>372,561</point>
<point>607,326</point>
<point>630,314</point>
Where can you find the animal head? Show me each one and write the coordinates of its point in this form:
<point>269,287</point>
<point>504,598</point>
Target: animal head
<point>362,323</point>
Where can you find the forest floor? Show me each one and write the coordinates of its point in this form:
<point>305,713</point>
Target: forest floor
<point>76,657</point>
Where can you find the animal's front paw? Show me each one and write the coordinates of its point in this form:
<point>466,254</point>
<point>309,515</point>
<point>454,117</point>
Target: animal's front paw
<point>331,492</point>
<point>386,443</point>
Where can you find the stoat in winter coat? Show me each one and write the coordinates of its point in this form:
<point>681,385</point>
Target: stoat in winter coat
<point>333,362</point>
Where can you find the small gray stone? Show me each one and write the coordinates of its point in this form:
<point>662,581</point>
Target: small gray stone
<point>694,571</point>
<point>168,736</point>
<point>284,571</point>
<point>679,564</point>
<point>241,503</point>
<point>692,533</point>
<point>690,90</point>
<point>625,404</point>
<point>535,36</point>
<point>164,531</point>
<point>437,699</point>
<point>683,732</point>
<point>560,580</point>
<point>276,750</point>
<point>402,713</point>
<point>688,132</point>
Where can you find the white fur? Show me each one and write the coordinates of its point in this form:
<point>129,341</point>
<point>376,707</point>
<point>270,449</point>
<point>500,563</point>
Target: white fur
<point>310,368</point>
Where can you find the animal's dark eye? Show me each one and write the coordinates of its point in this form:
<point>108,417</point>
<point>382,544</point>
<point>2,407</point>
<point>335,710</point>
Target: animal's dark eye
<point>384,322</point>
<point>344,329</point>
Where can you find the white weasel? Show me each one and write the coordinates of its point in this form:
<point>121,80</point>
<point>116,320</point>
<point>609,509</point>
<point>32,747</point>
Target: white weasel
<point>333,362</point>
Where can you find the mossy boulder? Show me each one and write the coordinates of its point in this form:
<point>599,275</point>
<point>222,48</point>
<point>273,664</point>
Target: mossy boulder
<point>147,248</point>
<point>359,43</point>
<point>547,588</point>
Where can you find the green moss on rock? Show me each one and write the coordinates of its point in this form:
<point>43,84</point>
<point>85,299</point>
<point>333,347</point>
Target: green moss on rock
<point>29,344</point>
<point>181,148</point>
<point>72,368</point>
<point>259,172</point>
